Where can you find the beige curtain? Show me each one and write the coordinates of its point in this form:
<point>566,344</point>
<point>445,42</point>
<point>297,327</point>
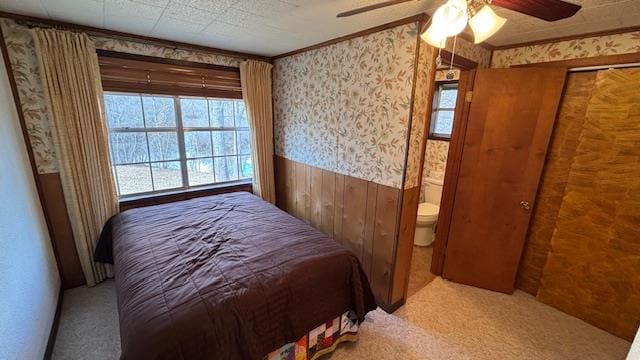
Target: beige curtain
<point>71,78</point>
<point>256,91</point>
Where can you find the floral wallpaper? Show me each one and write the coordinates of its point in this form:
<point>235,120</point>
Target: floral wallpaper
<point>435,158</point>
<point>140,48</point>
<point>424,84</point>
<point>570,49</point>
<point>24,65</point>
<point>435,161</point>
<point>346,107</point>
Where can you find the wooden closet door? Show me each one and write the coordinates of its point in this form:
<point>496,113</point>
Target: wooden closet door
<point>508,127</point>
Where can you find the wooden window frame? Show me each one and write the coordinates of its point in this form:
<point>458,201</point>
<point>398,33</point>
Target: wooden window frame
<point>440,85</point>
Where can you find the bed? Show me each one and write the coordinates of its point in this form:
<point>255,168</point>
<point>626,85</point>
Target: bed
<point>230,277</point>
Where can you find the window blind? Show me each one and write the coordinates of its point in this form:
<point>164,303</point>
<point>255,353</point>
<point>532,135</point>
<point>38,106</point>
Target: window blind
<point>122,72</point>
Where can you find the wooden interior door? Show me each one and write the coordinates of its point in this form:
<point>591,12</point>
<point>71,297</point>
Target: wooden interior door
<point>507,129</point>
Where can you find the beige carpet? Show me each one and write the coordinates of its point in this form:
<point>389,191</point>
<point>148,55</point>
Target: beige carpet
<point>444,320</point>
<point>420,274</point>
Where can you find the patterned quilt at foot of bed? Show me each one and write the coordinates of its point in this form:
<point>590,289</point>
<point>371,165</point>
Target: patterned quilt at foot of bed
<point>321,340</point>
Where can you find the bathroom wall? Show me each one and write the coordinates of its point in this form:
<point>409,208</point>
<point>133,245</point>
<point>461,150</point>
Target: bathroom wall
<point>346,107</point>
<point>349,126</point>
<point>29,280</point>
<point>435,161</point>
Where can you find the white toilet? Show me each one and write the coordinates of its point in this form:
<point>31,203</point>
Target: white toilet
<point>428,212</point>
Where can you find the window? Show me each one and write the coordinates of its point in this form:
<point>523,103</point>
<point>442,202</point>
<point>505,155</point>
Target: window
<point>167,143</point>
<point>444,104</point>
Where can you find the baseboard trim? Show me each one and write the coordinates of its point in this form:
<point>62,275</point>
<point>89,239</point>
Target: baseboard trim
<point>54,327</point>
<point>390,308</point>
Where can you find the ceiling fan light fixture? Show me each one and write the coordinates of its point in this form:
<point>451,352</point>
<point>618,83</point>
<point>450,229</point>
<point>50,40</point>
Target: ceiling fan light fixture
<point>451,18</point>
<point>485,23</point>
<point>434,37</point>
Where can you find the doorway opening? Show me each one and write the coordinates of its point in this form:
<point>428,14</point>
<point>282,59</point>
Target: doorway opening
<point>443,108</point>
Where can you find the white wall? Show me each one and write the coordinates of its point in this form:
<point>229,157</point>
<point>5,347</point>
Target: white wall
<point>29,280</point>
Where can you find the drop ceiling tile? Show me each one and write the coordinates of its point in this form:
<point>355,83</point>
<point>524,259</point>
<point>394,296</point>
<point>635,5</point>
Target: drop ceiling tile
<point>283,25</point>
<point>25,7</point>
<point>130,24</point>
<point>173,29</point>
<point>218,28</point>
<point>211,6</point>
<point>158,3</point>
<point>265,7</point>
<point>132,11</point>
<point>188,14</point>
<point>87,12</point>
<point>217,41</point>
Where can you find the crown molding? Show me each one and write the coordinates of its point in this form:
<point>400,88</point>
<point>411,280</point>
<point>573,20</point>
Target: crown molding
<point>422,17</point>
<point>568,38</point>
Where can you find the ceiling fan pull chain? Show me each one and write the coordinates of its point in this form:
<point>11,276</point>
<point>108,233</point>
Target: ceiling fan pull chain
<point>450,73</point>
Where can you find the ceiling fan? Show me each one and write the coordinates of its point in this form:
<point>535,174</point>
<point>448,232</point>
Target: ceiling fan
<point>452,17</point>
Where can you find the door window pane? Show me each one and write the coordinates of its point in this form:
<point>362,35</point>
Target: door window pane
<point>197,143</point>
<point>224,143</point>
<point>226,168</point>
<point>124,111</point>
<point>221,112</point>
<point>163,146</point>
<point>200,171</point>
<point>166,175</point>
<point>133,179</point>
<point>159,111</point>
<point>129,147</point>
<point>194,112</point>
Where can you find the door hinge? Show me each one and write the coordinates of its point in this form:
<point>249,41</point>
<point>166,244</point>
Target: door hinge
<point>468,96</point>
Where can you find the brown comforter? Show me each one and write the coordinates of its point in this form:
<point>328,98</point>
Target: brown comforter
<point>226,277</point>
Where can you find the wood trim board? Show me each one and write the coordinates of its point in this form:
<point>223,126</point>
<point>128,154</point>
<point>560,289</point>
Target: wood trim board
<point>53,332</point>
<point>126,204</point>
<point>415,18</point>
<point>589,61</point>
<point>459,62</point>
<point>567,38</point>
<point>452,170</point>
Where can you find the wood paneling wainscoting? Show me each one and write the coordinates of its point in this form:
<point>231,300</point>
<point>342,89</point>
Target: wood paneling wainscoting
<point>61,233</point>
<point>360,214</point>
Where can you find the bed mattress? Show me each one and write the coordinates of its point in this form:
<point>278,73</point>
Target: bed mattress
<point>226,277</point>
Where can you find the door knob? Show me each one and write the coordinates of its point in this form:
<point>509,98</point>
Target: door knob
<point>525,205</point>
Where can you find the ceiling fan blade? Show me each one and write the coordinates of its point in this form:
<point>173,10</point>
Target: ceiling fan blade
<point>371,7</point>
<point>549,10</point>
